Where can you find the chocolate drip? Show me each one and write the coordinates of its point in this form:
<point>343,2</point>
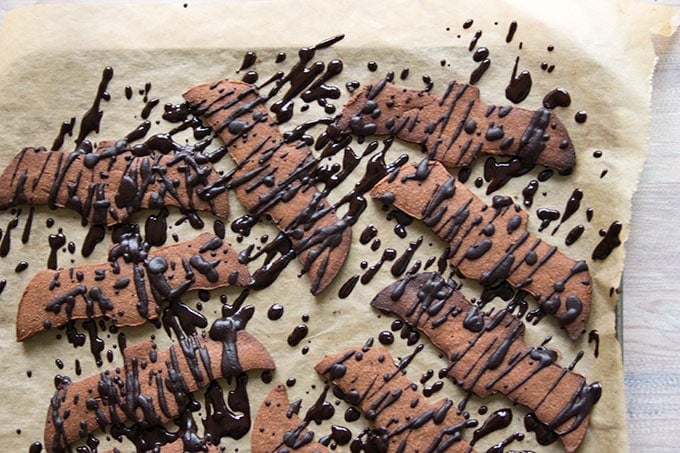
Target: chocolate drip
<point>512,29</point>
<point>498,420</point>
<point>249,59</point>
<point>529,191</point>
<point>559,97</point>
<point>66,129</point>
<point>573,204</point>
<point>474,40</point>
<point>479,71</point>
<point>224,419</point>
<point>224,330</point>
<point>594,337</point>
<point>520,85</point>
<point>609,242</point>
<point>303,79</point>
<point>26,234</point>
<point>95,234</point>
<point>56,241</point>
<point>368,234</point>
<point>6,243</point>
<point>574,234</point>
<point>400,265</point>
<point>298,334</point>
<point>275,312</point>
<point>347,287</point>
<point>92,118</point>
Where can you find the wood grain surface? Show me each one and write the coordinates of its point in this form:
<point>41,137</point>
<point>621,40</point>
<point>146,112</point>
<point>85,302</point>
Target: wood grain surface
<point>651,282</point>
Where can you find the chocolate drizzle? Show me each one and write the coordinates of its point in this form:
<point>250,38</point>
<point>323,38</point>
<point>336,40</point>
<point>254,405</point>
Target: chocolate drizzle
<point>92,118</point>
<point>610,240</point>
<point>520,85</point>
<point>271,172</point>
<point>144,179</point>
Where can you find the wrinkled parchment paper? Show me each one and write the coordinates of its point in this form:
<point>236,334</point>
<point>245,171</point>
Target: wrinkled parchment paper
<point>51,60</point>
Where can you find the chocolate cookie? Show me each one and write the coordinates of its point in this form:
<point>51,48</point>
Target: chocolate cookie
<point>486,354</point>
<point>403,419</point>
<point>108,184</point>
<point>130,288</point>
<point>457,127</point>
<point>153,388</point>
<point>273,177</point>
<point>490,243</point>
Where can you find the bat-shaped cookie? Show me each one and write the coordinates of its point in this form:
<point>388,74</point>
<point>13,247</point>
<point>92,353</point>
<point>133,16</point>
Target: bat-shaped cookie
<point>457,127</point>
<point>368,378</point>
<point>108,184</point>
<point>153,388</point>
<point>129,291</point>
<point>274,177</point>
<point>486,354</point>
<point>491,243</point>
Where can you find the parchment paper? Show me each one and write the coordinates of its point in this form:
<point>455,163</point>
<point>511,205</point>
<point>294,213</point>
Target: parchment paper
<point>51,59</point>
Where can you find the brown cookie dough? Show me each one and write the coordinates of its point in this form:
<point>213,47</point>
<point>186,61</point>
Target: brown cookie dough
<point>128,292</point>
<point>486,354</point>
<point>277,428</point>
<point>457,127</point>
<point>405,420</point>
<point>490,243</point>
<point>107,185</point>
<point>273,176</point>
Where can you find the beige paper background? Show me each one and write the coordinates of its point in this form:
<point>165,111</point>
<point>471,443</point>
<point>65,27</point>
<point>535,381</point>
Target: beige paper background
<point>50,64</point>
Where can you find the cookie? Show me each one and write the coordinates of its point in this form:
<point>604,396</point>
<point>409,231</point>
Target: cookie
<point>403,419</point>
<point>486,354</point>
<point>153,387</point>
<point>273,177</point>
<point>278,428</point>
<point>129,289</point>
<point>107,185</point>
<point>457,127</point>
<point>490,243</point>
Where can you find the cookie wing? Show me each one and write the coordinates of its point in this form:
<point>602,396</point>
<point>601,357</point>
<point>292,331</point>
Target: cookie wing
<point>368,377</point>
<point>277,428</point>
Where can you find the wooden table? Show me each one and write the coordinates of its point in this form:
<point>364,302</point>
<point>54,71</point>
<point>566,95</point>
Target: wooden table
<point>651,282</point>
<point>651,302</point>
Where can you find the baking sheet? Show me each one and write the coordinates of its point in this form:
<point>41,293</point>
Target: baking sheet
<point>51,59</point>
